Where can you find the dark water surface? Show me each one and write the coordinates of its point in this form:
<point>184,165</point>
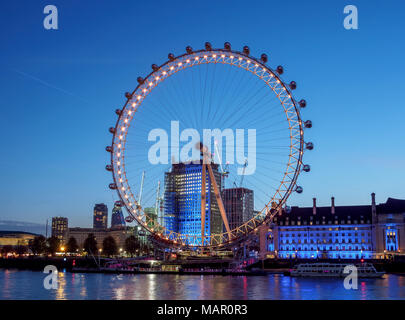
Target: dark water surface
<point>16,284</point>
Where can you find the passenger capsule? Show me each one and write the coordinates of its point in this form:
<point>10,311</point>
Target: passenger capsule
<point>109,149</point>
<point>118,203</point>
<point>299,189</point>
<point>309,145</point>
<point>155,67</point>
<point>189,50</point>
<point>293,85</point>
<point>109,167</point>
<point>246,50</point>
<point>280,70</point>
<point>227,46</point>
<point>208,46</point>
<point>129,219</point>
<point>118,111</point>
<point>128,95</point>
<point>112,130</point>
<point>140,80</point>
<point>171,56</point>
<point>306,168</point>
<point>302,103</point>
<point>308,124</point>
<point>264,58</point>
<point>112,186</point>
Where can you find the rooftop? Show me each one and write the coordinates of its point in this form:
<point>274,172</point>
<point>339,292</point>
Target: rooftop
<point>391,206</point>
<point>4,233</point>
<point>352,213</point>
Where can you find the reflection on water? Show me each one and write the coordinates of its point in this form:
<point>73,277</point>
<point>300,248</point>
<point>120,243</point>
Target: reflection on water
<point>16,284</point>
<point>60,292</point>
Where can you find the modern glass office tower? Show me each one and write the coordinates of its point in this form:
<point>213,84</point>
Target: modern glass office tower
<point>239,205</point>
<point>182,200</point>
<point>117,218</point>
<point>100,216</point>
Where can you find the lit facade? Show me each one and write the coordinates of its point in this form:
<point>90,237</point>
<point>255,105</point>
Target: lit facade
<point>117,218</point>
<point>140,233</point>
<point>182,200</point>
<point>60,228</point>
<point>119,235</point>
<point>337,232</point>
<point>15,238</point>
<point>81,234</point>
<point>239,205</point>
<point>100,216</point>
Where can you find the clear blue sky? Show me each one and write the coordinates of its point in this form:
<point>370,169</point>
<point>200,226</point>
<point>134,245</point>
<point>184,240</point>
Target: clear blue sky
<point>59,90</point>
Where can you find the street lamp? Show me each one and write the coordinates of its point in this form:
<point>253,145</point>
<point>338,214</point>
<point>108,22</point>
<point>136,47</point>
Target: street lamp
<point>99,251</point>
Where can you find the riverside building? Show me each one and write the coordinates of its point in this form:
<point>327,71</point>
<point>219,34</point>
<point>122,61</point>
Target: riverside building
<point>182,200</point>
<point>336,232</point>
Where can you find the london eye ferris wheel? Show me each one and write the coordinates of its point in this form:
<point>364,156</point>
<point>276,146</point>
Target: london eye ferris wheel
<point>208,147</point>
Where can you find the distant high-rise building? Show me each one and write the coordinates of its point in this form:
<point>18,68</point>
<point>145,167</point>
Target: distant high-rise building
<point>100,216</point>
<point>239,205</point>
<point>60,228</point>
<point>151,213</point>
<point>182,200</point>
<point>117,218</point>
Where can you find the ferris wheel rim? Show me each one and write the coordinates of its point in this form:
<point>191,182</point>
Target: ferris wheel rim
<point>270,211</point>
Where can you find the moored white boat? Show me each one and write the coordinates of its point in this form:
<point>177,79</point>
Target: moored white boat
<point>336,270</point>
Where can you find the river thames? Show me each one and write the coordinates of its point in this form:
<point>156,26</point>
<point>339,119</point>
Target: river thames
<point>16,284</point>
